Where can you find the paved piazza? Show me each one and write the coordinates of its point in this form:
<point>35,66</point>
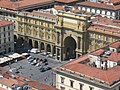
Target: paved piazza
<point>32,71</point>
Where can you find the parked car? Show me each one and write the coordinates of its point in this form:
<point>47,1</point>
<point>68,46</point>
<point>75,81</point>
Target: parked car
<point>31,60</point>
<point>46,63</point>
<point>38,64</point>
<point>48,68</point>
<point>34,50</point>
<point>45,60</point>
<point>15,70</point>
<point>42,69</point>
<point>26,54</point>
<point>30,57</point>
<point>34,62</point>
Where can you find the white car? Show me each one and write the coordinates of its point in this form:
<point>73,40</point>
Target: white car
<point>34,50</point>
<point>30,57</point>
<point>15,70</point>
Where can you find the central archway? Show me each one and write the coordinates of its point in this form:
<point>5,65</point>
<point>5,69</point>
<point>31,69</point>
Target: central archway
<point>69,47</point>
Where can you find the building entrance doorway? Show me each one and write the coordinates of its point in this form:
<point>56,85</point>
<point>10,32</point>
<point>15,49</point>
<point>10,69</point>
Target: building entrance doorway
<point>69,48</point>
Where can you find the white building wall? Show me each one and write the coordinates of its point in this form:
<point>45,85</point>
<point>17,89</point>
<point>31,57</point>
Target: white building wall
<point>111,64</point>
<point>93,58</point>
<point>88,9</point>
<point>113,49</point>
<point>102,12</point>
<point>76,85</point>
<point>5,87</point>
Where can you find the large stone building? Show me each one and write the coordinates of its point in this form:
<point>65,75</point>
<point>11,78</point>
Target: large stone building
<point>71,31</point>
<point>36,29</point>
<point>98,70</point>
<point>68,34</point>
<point>63,35</point>
<point>102,31</point>
<point>6,37</point>
<point>9,8</point>
<point>105,8</point>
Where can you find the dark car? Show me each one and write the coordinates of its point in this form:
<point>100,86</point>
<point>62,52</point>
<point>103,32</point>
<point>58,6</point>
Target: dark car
<point>46,63</point>
<point>48,68</point>
<point>45,60</point>
<point>42,69</point>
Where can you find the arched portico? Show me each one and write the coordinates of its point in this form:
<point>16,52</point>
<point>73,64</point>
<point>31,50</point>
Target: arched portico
<point>48,48</point>
<point>42,46</point>
<point>36,44</point>
<point>69,47</point>
<point>30,43</point>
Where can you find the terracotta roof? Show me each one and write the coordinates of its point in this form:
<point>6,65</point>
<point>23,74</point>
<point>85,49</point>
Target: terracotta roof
<point>20,80</point>
<point>98,52</point>
<point>115,56</point>
<point>114,1</point>
<point>4,23</point>
<point>111,26</point>
<point>115,44</point>
<point>59,7</point>
<point>92,72</point>
<point>66,1</point>
<point>43,14</point>
<point>99,5</point>
<point>40,85</point>
<point>21,3</point>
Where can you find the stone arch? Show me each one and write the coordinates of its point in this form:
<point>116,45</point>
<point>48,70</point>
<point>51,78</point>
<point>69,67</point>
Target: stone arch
<point>15,38</point>
<point>42,46</point>
<point>48,48</point>
<point>69,47</point>
<point>36,44</point>
<point>21,42</point>
<point>30,43</point>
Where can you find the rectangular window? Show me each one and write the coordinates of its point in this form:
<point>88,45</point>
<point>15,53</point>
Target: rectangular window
<point>9,38</point>
<point>4,34</point>
<point>4,29</point>
<point>81,86</point>
<point>71,83</point>
<point>8,33</point>
<point>91,88</point>
<point>62,88</point>
<point>62,80</point>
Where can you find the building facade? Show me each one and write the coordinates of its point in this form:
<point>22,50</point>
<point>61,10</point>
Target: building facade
<point>108,10</point>
<point>98,70</point>
<point>36,29</point>
<point>69,33</point>
<point>6,37</point>
<point>63,35</point>
<point>102,31</point>
<point>9,9</point>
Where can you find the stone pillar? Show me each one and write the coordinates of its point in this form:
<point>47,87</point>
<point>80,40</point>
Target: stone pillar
<point>33,44</point>
<point>56,54</point>
<point>52,50</point>
<point>39,45</point>
<point>45,48</point>
<point>60,56</point>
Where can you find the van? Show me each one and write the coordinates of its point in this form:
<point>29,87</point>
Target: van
<point>34,50</point>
